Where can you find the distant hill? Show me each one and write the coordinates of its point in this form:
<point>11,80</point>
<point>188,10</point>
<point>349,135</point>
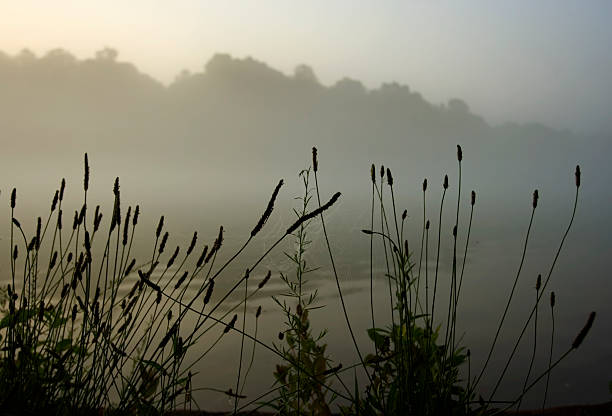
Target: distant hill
<point>243,115</point>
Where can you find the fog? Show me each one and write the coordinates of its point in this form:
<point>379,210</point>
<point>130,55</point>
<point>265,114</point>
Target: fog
<point>208,148</point>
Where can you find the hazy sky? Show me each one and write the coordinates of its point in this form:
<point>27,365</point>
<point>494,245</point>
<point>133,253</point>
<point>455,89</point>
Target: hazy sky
<point>546,61</point>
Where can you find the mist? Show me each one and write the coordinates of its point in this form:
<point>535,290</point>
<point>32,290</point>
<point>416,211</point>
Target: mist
<point>208,148</point>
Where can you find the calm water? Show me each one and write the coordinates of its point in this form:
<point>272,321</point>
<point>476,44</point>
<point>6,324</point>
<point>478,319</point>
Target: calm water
<point>579,279</point>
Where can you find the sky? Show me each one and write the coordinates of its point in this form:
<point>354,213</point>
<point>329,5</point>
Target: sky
<point>547,61</point>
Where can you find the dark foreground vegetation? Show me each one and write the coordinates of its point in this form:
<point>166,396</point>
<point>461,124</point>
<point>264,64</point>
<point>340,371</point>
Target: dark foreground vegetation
<point>73,342</point>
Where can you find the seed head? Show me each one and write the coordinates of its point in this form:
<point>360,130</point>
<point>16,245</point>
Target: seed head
<point>162,245</point>
<point>53,260</point>
<point>389,177</point>
<point>314,213</point>
<point>459,153</point>
<point>181,280</point>
<point>473,198</point>
<point>86,178</point>
<point>193,242</point>
<point>382,171</point>
<point>445,184</point>
<point>270,206</point>
<point>281,335</point>
<point>16,223</point>
<point>455,231</point>
<point>427,225</point>
<point>160,225</point>
<point>577,176</point>
<point>173,257</point>
<point>258,312</point>
<point>136,214</point>
<point>15,252</point>
<point>62,188</point>
<point>209,291</point>
<point>552,299</point>
<point>373,173</point>
<point>265,280</point>
<point>315,162</point>
<point>424,184</point>
<point>130,266</point>
<point>536,196</point>
<point>584,331</point>
<point>54,202</point>
<point>539,282</point>
<point>202,256</point>
<point>231,324</point>
<point>59,219</point>
<point>13,197</point>
<point>38,229</point>
<point>404,214</point>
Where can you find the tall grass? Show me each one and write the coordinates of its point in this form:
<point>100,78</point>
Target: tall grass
<point>75,342</point>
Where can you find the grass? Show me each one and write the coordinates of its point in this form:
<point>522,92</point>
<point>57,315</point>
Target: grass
<point>74,342</point>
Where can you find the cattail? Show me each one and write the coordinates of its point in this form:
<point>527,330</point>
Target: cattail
<point>445,184</point>
<point>258,313</point>
<point>389,177</point>
<point>373,173</point>
<point>536,196</point>
<point>173,257</point>
<point>15,252</point>
<point>459,153</point>
<point>136,214</point>
<point>315,162</point>
<point>193,242</point>
<point>86,178</point>
<point>264,280</point>
<point>583,333</point>
<point>270,206</point>
<point>169,316</point>
<point>202,256</point>
<point>162,245</point>
<point>13,197</point>
<point>160,225</point>
<point>38,228</point>
<point>427,225</point>
<point>211,286</point>
<point>577,176</point>
<point>181,280</point>
<point>552,299</point>
<point>368,232</point>
<point>382,171</point>
<point>231,324</point>
<point>473,198</point>
<point>54,202</point>
<point>539,282</point>
<point>404,214</point>
<point>97,218</point>
<point>424,184</point>
<point>82,214</point>
<point>74,312</point>
<point>59,219</point>
<point>314,213</point>
<point>125,226</point>
<point>69,258</point>
<point>16,222</point>
<point>281,335</point>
